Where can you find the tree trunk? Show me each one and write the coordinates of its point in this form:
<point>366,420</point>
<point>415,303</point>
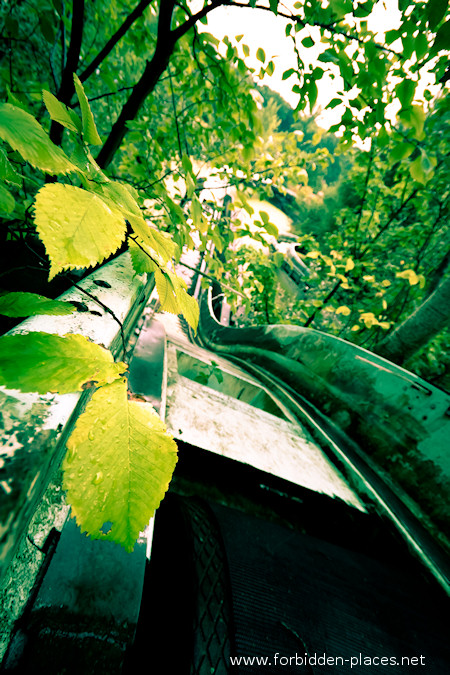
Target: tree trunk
<point>432,316</point>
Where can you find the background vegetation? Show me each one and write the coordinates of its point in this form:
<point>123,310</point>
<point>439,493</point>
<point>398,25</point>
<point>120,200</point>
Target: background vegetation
<point>110,110</point>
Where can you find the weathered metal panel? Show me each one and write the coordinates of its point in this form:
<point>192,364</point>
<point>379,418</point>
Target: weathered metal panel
<point>34,427</point>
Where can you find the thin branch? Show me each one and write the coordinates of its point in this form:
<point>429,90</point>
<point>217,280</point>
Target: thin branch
<point>208,276</point>
<point>67,87</point>
<point>174,108</point>
<point>114,39</point>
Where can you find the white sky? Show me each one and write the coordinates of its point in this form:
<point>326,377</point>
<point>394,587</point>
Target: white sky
<point>264,29</point>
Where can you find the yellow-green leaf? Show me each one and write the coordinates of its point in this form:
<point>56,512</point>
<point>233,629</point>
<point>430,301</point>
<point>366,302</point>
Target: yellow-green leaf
<point>118,466</point>
<point>90,133</point>
<point>43,362</point>
<point>142,257</point>
<point>410,275</point>
<point>28,304</point>
<point>78,228</point>
<point>343,309</point>
<point>174,298</point>
<point>260,54</point>
<point>160,242</point>
<point>369,319</point>
<point>59,112</point>
<point>25,134</point>
<point>200,223</point>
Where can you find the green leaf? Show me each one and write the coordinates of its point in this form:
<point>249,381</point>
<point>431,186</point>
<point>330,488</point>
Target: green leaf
<point>418,171</point>
<point>28,304</point>
<point>118,196</point>
<point>43,362</point>
<point>334,102</point>
<point>90,133</point>
<point>273,4</point>
<point>61,113</point>
<point>200,223</point>
<point>401,151</point>
<point>46,25</point>
<point>405,91</point>
<point>414,118</point>
<point>24,134</point>
<point>174,297</point>
<point>7,201</point>
<point>160,242</point>
<point>288,73</point>
<point>308,42</point>
<point>435,12</point>
<point>260,54</point>
<point>270,68</point>
<point>142,257</point>
<point>77,228</point>
<point>118,467</point>
<point>442,39</point>
<point>7,171</point>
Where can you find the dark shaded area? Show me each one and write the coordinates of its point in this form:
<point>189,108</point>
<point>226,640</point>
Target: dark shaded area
<point>85,611</point>
<point>246,564</point>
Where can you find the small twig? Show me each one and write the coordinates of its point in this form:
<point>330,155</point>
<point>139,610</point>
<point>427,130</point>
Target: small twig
<point>103,306</point>
<point>208,276</point>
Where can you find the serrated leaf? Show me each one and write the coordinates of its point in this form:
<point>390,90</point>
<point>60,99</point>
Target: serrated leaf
<point>121,197</point>
<point>90,133</point>
<point>142,261</point>
<point>77,228</point>
<point>7,201</point>
<point>20,304</point>
<point>42,362</point>
<point>61,113</point>
<point>174,297</point>
<point>118,467</point>
<point>160,242</point>
<point>25,134</point>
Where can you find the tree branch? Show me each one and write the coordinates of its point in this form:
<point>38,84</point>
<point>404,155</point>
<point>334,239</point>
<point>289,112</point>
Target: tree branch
<point>67,86</point>
<point>114,39</point>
